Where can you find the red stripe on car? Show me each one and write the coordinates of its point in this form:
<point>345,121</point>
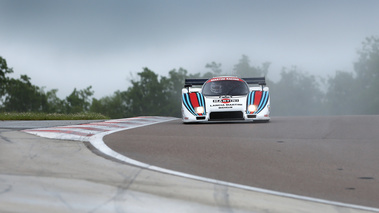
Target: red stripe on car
<point>194,101</point>
<point>257,98</point>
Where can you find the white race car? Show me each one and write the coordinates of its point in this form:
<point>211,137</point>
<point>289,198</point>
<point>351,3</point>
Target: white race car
<point>225,98</point>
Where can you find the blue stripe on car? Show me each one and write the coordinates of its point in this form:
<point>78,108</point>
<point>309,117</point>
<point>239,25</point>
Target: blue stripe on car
<point>187,104</point>
<point>263,102</point>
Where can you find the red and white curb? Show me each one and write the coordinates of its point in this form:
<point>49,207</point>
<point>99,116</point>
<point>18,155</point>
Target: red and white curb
<point>83,132</point>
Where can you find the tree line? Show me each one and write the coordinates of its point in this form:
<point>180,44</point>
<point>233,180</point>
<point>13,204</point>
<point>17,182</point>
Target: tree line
<point>295,93</point>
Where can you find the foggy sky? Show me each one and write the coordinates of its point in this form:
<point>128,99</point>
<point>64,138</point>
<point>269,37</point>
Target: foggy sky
<point>74,44</point>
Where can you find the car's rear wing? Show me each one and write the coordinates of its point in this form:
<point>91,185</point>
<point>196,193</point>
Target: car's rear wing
<point>194,81</point>
<point>200,81</point>
<point>256,80</point>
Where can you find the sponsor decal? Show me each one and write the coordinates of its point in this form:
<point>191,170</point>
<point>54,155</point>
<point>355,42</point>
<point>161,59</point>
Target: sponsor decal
<point>226,100</point>
<point>225,106</point>
<point>217,105</point>
<point>224,79</point>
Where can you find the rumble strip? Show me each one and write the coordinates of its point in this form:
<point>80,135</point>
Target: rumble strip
<point>83,132</point>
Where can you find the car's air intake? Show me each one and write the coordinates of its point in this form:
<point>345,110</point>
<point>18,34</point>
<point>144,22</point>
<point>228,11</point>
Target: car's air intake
<point>219,116</point>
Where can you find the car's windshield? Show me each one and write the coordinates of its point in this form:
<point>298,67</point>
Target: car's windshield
<point>226,87</point>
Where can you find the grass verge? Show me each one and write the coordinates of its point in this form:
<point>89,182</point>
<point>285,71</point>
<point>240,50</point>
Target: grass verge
<point>51,116</point>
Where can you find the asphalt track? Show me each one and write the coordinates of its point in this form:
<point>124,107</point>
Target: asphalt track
<point>332,158</point>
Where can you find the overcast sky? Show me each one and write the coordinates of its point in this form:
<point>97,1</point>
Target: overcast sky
<point>77,43</point>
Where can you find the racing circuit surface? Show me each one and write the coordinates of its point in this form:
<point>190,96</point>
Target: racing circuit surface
<point>332,158</point>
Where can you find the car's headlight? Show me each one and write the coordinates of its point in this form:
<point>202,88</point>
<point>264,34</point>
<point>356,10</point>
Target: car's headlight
<point>199,110</point>
<point>252,108</point>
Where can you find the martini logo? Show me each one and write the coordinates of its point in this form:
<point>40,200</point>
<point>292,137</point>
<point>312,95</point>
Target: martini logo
<point>226,101</point>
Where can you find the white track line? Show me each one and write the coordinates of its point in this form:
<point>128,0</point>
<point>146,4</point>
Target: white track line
<point>97,142</point>
<point>130,123</point>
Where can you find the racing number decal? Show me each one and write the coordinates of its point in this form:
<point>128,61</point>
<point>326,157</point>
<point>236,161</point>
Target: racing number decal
<point>259,99</point>
<point>193,100</point>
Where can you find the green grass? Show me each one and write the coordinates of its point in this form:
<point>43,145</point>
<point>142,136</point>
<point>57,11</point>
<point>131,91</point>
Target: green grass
<point>50,116</point>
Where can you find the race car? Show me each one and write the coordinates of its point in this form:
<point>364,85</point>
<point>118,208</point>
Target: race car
<point>225,98</point>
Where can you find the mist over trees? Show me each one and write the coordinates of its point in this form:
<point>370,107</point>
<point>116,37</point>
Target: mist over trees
<point>295,93</point>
